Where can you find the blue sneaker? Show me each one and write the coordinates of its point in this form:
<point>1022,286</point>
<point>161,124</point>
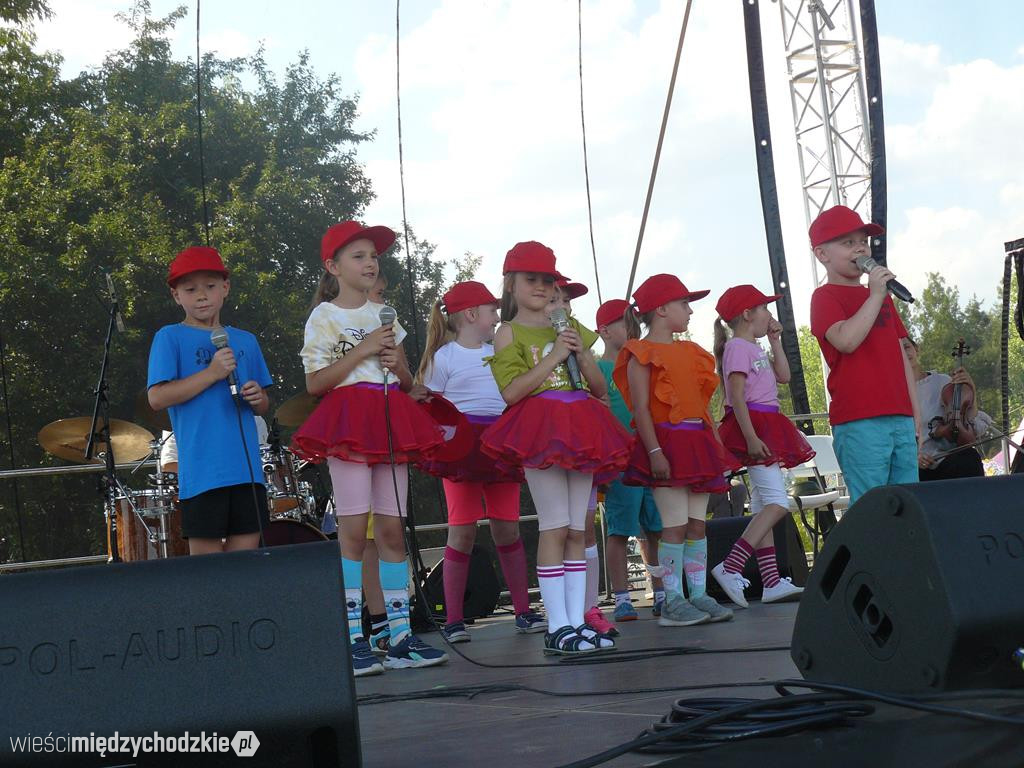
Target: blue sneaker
<point>363,661</point>
<point>413,652</point>
<point>380,640</point>
<point>456,633</point>
<point>625,612</point>
<point>530,622</point>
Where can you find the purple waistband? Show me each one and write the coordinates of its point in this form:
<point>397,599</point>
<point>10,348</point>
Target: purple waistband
<point>370,385</point>
<point>693,426</point>
<point>565,395</point>
<point>757,407</point>
<point>474,418</point>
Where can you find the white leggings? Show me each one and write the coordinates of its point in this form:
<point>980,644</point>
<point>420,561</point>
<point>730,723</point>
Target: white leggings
<point>768,486</point>
<point>678,504</point>
<point>358,488</point>
<point>560,496</point>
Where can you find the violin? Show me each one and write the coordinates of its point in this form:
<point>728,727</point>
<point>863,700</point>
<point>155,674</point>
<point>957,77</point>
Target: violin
<point>957,401</point>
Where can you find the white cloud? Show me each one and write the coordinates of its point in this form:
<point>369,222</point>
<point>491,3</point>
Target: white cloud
<point>83,32</point>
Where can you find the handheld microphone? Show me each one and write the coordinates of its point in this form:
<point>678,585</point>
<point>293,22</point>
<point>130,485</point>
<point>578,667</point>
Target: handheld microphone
<point>219,339</point>
<point>560,322</point>
<point>387,316</point>
<point>113,299</point>
<point>897,289</point>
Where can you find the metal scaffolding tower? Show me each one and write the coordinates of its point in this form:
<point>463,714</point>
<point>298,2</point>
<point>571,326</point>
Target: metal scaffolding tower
<point>830,115</point>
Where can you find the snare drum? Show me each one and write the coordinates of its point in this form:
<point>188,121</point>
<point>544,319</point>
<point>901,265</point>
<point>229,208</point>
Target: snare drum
<point>133,540</point>
<point>283,491</point>
<point>282,532</point>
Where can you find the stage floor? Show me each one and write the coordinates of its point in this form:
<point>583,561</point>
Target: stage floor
<point>526,729</point>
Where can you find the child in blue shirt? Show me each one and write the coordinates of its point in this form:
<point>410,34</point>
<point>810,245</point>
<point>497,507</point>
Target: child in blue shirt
<point>222,496</point>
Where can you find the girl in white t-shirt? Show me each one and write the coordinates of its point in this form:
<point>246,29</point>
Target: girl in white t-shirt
<point>757,433</point>
<point>348,355</point>
<point>459,343</point>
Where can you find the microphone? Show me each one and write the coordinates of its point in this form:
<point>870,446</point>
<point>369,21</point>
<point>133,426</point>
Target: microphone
<point>896,288</point>
<point>387,316</point>
<point>560,322</point>
<point>113,298</point>
<point>219,339</point>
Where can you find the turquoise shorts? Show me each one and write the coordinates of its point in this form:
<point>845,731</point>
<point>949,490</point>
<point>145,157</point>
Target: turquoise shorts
<point>876,451</point>
<point>629,510</point>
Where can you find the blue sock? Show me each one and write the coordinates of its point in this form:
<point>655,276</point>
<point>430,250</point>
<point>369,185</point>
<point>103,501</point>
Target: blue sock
<point>671,557</point>
<point>352,575</point>
<point>394,583</point>
<point>695,561</point>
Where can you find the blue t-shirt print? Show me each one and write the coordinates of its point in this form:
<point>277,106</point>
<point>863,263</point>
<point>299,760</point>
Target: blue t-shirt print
<point>210,449</point>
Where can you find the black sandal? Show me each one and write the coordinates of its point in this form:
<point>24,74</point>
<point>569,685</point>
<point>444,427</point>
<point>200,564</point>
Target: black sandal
<point>601,641</point>
<point>566,641</point>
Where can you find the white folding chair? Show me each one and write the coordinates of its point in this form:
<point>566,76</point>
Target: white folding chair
<point>827,499</point>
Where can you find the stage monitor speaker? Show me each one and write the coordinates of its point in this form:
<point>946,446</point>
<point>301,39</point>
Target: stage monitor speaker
<point>228,644</point>
<point>482,587</point>
<point>722,533</point>
<point>919,588</point>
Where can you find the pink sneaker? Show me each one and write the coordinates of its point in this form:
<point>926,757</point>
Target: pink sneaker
<point>596,619</point>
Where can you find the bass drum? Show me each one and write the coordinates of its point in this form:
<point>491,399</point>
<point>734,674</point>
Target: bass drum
<point>283,532</point>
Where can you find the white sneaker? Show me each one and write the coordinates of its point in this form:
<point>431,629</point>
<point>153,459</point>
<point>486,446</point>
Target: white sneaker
<point>784,591</point>
<point>732,584</point>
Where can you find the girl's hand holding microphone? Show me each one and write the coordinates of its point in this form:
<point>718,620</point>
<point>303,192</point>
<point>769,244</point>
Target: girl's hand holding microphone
<point>377,341</point>
<point>566,342</point>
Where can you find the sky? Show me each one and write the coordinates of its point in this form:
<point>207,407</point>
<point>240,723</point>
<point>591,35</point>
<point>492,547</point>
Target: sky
<point>492,140</point>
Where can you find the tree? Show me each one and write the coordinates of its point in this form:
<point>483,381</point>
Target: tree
<point>101,173</point>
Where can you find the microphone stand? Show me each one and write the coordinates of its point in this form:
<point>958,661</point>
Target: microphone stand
<point>101,417</point>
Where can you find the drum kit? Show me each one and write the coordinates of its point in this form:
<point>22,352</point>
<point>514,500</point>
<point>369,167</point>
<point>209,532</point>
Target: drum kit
<point>148,520</point>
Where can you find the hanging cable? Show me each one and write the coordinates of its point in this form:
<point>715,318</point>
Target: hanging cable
<point>10,447</point>
<point>586,165</point>
<point>410,268</point>
<point>199,122</point>
<point>657,152</point>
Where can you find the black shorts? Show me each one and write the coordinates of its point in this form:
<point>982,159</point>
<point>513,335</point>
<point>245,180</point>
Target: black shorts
<point>222,512</point>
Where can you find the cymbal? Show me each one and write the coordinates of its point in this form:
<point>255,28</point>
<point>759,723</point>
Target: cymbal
<point>296,409</point>
<point>68,438</point>
<point>144,412</point>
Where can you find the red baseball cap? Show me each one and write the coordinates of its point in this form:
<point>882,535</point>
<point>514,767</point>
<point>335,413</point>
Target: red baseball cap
<point>661,289</point>
<point>572,290</point>
<point>340,235</point>
<point>195,258</point>
<point>836,222</point>
<point>740,297</point>
<point>531,256</point>
<point>467,295</point>
<point>611,311</point>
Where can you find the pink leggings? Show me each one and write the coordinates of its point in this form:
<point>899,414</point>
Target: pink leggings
<point>359,488</point>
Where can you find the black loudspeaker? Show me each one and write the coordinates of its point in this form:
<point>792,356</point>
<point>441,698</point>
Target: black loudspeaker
<point>231,643</point>
<point>482,587</point>
<point>722,533</point>
<point>919,588</point>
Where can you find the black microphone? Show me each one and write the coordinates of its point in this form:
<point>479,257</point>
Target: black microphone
<point>896,288</point>
<point>560,322</point>
<point>113,300</point>
<point>387,316</point>
<point>219,339</point>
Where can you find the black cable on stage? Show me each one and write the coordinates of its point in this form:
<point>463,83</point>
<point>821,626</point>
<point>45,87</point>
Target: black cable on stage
<point>199,122</point>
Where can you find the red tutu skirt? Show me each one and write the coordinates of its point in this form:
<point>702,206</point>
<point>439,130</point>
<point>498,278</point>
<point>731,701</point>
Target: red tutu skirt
<point>787,443</point>
<point>476,466</point>
<point>564,429</point>
<point>349,424</point>
<point>697,460</point>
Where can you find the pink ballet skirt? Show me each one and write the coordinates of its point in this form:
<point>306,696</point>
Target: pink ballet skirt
<point>559,428</point>
<point>697,460</point>
<point>349,424</point>
<point>788,445</point>
<point>475,466</point>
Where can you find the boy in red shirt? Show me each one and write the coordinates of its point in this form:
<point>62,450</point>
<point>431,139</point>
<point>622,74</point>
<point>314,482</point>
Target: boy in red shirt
<point>874,415</point>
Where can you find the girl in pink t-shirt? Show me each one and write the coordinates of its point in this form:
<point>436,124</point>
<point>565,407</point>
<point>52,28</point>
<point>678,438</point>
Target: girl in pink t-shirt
<point>757,433</point>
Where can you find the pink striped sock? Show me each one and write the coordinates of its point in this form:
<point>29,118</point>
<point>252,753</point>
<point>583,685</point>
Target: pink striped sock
<point>455,573</point>
<point>513,564</point>
<point>768,566</point>
<point>737,557</point>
